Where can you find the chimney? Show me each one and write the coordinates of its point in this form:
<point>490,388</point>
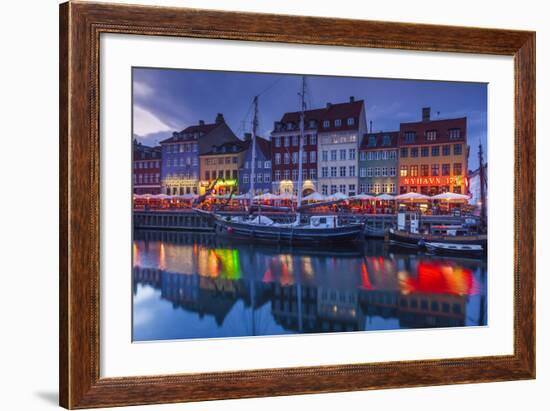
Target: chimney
<point>220,119</point>
<point>201,122</point>
<point>371,126</point>
<point>351,99</point>
<point>329,105</point>
<point>247,136</point>
<point>425,114</point>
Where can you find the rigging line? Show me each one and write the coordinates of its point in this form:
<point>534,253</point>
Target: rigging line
<point>269,87</point>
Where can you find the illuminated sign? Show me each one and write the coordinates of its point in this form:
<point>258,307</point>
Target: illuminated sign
<point>457,180</point>
<point>228,182</point>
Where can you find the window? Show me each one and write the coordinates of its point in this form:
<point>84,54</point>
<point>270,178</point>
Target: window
<point>362,188</point>
<point>313,156</point>
<point>435,169</point>
<point>362,156</point>
<point>377,171</point>
<point>414,171</point>
<point>312,173</point>
<point>287,141</point>
<point>333,155</point>
<point>362,172</point>
<point>277,158</point>
<point>392,172</point>
<point>369,172</point>
<point>245,178</point>
<point>372,141</point>
<point>326,124</point>
<point>295,141</point>
<point>324,155</point>
<point>277,175</point>
<point>277,141</point>
<point>446,150</point>
<point>370,155</point>
<point>294,175</point>
<point>324,190</point>
<point>351,189</point>
<point>337,122</point>
<point>304,175</point>
<point>260,177</point>
<point>404,152</point>
<point>324,172</point>
<point>351,121</point>
<point>342,155</point>
<point>457,150</point>
<point>267,164</point>
<point>342,171</point>
<point>343,188</point>
<point>213,174</point>
<point>392,188</point>
<point>410,136</point>
<point>333,189</point>
<point>424,170</point>
<point>445,169</point>
<point>425,152</point>
<point>457,169</point>
<point>287,158</point>
<point>384,188</point>
<point>431,135</point>
<point>392,155</point>
<point>246,164</point>
<point>384,171</point>
<point>435,151</point>
<point>352,171</point>
<point>454,133</point>
<point>414,152</point>
<point>377,188</point>
<point>313,139</point>
<point>289,126</point>
<point>352,154</point>
<point>386,140</point>
<point>333,172</point>
<point>295,158</point>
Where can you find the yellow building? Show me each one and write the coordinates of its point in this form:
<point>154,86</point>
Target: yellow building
<point>220,166</point>
<point>433,156</point>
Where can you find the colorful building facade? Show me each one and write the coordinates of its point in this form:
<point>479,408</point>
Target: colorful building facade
<point>180,154</point>
<point>378,163</point>
<point>146,169</point>
<point>433,156</point>
<point>262,169</point>
<point>220,166</point>
<point>341,127</point>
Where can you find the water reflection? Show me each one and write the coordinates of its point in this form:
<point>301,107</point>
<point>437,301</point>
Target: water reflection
<point>195,285</point>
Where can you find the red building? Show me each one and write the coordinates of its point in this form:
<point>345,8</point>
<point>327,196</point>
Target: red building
<point>146,170</point>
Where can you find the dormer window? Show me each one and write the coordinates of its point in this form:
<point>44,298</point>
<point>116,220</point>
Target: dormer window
<point>351,121</point>
<point>454,133</point>
<point>234,149</point>
<point>326,123</point>
<point>372,141</point>
<point>431,135</point>
<point>410,136</point>
<point>387,140</point>
<point>289,126</point>
<point>337,122</point>
<point>312,123</point>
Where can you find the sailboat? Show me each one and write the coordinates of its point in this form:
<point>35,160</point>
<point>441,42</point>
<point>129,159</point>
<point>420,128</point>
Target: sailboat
<point>319,228</point>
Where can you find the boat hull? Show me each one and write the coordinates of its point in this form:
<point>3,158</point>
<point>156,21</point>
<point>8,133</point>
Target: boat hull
<point>288,234</point>
<point>413,240</point>
<point>457,252</point>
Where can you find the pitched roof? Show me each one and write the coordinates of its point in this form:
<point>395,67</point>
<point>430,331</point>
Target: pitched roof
<point>379,140</point>
<point>227,148</point>
<point>143,152</point>
<point>190,133</point>
<point>339,111</point>
<point>264,146</point>
<point>442,128</point>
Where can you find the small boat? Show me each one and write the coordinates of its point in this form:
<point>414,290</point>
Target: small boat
<point>419,240</point>
<point>462,250</point>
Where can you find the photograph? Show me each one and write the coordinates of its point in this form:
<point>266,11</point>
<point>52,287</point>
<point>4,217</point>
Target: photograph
<point>268,204</point>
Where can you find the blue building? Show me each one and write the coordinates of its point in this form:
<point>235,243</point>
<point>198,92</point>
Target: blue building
<point>262,168</point>
<point>180,168</point>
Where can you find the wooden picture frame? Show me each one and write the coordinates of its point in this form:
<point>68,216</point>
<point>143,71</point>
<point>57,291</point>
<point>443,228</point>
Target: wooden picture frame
<point>80,27</point>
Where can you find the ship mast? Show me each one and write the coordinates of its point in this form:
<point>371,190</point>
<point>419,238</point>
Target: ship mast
<point>253,158</point>
<point>301,149</point>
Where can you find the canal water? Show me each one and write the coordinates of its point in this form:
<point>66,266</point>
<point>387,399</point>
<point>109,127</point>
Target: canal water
<point>198,285</point>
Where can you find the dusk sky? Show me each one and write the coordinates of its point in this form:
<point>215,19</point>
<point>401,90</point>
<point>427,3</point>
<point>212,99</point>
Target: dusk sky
<point>167,100</point>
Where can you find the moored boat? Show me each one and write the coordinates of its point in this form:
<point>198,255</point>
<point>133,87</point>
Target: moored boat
<point>462,250</point>
<point>419,240</point>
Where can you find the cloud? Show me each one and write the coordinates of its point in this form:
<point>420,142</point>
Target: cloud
<point>142,89</point>
<point>146,122</point>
